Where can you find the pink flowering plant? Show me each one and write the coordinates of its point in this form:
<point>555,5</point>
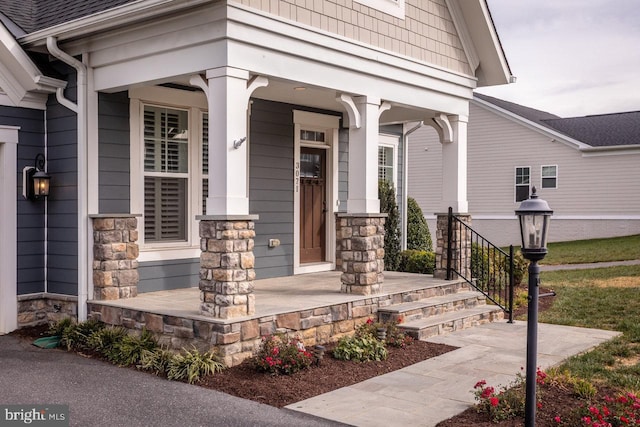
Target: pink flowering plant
<point>508,402</point>
<point>280,354</point>
<point>613,412</point>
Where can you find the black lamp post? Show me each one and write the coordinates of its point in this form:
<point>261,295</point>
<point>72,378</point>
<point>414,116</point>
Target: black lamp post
<point>534,215</point>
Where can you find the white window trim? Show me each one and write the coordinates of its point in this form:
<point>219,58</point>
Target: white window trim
<point>542,177</point>
<point>8,227</point>
<point>196,104</point>
<point>515,181</point>
<point>329,125</point>
<point>392,7</point>
<point>392,141</point>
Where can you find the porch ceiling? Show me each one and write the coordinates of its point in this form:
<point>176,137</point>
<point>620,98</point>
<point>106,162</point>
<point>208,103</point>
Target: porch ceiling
<point>273,296</point>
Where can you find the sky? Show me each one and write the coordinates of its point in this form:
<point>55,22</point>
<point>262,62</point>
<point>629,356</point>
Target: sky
<point>570,57</point>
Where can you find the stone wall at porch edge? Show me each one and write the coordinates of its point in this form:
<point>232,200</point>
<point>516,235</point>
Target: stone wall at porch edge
<point>237,341</point>
<point>41,308</point>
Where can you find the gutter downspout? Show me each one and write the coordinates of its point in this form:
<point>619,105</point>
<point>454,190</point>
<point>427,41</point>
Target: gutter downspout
<point>80,109</point>
<point>405,186</point>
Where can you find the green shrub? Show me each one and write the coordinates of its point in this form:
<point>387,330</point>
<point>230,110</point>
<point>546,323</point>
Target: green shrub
<point>413,261</point>
<point>156,361</point>
<point>279,354</point>
<point>128,350</point>
<point>192,365</point>
<point>360,348</point>
<point>395,337</point>
<point>389,205</point>
<point>57,328</point>
<point>102,341</point>
<point>418,235</point>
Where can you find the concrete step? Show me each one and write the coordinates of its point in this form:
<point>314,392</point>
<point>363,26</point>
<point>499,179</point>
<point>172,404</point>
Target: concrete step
<point>432,306</point>
<point>422,329</point>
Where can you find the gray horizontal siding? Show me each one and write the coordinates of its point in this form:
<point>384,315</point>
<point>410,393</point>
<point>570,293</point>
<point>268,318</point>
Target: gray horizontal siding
<point>271,186</point>
<point>62,276</point>
<point>114,151</point>
<point>165,275</point>
<point>30,221</point>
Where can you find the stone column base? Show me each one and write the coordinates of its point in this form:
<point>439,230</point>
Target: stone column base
<point>360,252</point>
<point>115,256</point>
<point>460,253</point>
<point>227,266</point>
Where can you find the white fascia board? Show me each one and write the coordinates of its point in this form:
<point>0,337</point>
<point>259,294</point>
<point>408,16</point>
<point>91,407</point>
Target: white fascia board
<point>616,150</point>
<point>20,77</point>
<point>463,33</point>
<point>555,136</point>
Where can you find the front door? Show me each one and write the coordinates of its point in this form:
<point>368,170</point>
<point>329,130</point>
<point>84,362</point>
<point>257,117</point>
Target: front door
<point>313,206</point>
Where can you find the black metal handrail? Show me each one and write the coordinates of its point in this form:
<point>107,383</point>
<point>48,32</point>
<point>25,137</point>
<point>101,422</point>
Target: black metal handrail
<point>480,263</point>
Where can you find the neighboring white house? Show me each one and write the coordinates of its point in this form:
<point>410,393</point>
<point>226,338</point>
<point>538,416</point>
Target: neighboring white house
<point>587,168</point>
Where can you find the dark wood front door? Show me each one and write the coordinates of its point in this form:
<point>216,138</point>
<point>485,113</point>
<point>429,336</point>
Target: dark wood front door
<point>312,204</point>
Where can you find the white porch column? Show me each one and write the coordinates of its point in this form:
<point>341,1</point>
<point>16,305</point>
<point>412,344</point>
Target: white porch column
<point>363,158</point>
<point>454,166</point>
<point>227,97</point>
<point>8,229</point>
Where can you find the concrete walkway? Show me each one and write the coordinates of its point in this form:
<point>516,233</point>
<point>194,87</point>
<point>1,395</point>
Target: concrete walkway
<point>589,265</point>
<point>439,388</point>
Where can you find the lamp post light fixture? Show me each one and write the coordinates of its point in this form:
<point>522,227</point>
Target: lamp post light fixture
<point>36,181</point>
<point>534,215</point>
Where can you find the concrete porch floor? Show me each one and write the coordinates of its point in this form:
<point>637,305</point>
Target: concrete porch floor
<point>274,296</point>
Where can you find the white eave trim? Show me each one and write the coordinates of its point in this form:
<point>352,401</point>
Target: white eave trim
<point>463,33</point>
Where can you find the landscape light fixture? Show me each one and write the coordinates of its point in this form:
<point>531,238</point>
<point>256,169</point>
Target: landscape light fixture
<point>35,180</point>
<point>534,215</point>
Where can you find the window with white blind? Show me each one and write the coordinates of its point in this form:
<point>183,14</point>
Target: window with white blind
<point>166,174</point>
<point>205,162</point>
<point>388,158</point>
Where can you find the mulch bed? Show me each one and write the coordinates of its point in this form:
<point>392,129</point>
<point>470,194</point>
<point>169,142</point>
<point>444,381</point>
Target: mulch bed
<point>243,380</point>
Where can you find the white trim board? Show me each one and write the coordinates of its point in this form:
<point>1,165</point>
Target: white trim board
<point>8,229</point>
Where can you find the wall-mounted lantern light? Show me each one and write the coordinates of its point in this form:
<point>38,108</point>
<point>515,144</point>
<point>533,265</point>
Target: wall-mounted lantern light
<point>35,181</point>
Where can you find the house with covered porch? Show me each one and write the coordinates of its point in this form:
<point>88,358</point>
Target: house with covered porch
<point>212,144</point>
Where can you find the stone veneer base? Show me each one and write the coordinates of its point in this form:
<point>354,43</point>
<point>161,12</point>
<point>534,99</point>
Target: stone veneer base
<point>41,308</point>
<point>238,339</point>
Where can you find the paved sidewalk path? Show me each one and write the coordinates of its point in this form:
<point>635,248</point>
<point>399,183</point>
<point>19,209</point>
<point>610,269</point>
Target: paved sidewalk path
<point>439,388</point>
<point>587,266</point>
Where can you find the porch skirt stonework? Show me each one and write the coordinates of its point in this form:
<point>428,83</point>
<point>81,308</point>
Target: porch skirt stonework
<point>115,256</point>
<point>460,246</point>
<point>227,268</point>
<point>360,252</point>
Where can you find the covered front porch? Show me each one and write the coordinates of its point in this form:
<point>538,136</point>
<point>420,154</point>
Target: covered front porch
<point>311,306</point>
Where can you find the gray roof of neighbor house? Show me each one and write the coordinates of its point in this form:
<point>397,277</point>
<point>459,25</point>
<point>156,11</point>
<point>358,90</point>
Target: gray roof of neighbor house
<point>34,15</point>
<point>602,130</point>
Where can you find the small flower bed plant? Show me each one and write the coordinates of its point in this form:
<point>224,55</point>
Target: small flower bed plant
<point>280,354</point>
<point>394,335</point>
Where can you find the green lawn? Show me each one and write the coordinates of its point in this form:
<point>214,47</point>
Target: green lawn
<point>596,250</point>
<point>604,298</point>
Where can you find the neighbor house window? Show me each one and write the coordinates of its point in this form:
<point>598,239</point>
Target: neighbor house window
<point>166,174</point>
<point>549,176</point>
<point>523,181</point>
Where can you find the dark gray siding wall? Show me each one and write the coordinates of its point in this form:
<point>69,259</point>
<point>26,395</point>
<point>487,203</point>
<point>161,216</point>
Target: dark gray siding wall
<point>30,248</point>
<point>164,275</point>
<point>114,152</point>
<point>63,200</point>
<point>271,186</point>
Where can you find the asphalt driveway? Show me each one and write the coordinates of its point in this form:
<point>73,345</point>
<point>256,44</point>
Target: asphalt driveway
<point>99,394</point>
